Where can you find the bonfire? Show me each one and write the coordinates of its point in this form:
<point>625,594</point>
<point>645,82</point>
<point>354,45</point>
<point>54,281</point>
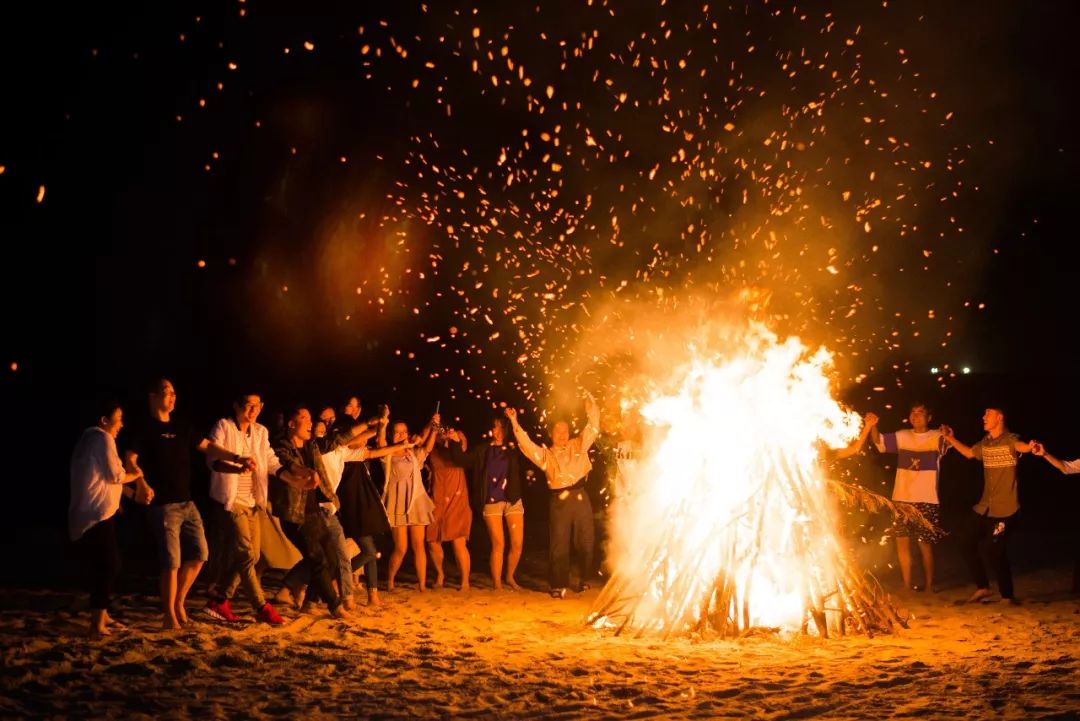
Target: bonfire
<point>730,524</point>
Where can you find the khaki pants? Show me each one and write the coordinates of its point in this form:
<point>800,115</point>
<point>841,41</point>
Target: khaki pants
<point>242,541</point>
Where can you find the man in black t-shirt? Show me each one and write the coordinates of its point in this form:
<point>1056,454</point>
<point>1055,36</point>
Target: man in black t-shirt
<point>162,448</point>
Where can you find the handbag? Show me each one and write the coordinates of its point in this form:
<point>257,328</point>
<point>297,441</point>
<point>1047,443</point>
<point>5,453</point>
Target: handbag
<point>277,550</point>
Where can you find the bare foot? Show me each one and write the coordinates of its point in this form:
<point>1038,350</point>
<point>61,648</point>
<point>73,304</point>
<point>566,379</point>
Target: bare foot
<point>285,597</point>
<point>99,623</point>
<point>389,586</point>
<point>115,624</point>
<point>464,586</point>
<point>169,623</point>
<point>513,584</point>
<point>341,612</point>
<point>423,588</point>
<point>98,632</point>
<point>979,595</point>
<point>438,582</point>
<point>373,598</point>
<point>181,616</point>
<point>348,604</point>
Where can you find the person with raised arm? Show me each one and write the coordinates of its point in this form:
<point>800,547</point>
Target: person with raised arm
<point>566,466</point>
<point>496,491</point>
<point>919,451</point>
<point>991,521</point>
<point>408,506</point>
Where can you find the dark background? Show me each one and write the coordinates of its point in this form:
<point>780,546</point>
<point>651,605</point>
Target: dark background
<point>100,287</point>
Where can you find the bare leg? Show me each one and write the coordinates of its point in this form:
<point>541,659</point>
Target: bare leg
<point>903,551</point>
<point>397,555</point>
<point>516,524</point>
<point>495,533</point>
<point>167,588</point>
<point>98,623</point>
<point>464,562</point>
<point>435,549</point>
<point>416,540</point>
<point>927,552</point>
<point>184,578</point>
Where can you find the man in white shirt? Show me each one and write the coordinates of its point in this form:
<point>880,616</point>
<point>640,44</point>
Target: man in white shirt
<point>919,452</point>
<point>240,491</point>
<point>566,466</point>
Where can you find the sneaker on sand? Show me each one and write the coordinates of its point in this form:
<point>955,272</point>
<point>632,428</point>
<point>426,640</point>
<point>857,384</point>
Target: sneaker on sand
<point>221,611</point>
<point>267,614</point>
<point>558,593</point>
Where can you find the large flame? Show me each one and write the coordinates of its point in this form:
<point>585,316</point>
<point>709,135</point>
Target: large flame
<point>726,520</point>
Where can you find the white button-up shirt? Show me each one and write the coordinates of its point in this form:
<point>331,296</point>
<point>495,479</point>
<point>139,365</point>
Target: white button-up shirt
<point>251,443</point>
<point>97,480</point>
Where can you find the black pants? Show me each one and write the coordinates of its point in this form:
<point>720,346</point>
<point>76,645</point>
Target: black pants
<point>368,559</point>
<point>101,555</point>
<point>310,539</point>
<point>982,538</point>
<point>570,523</point>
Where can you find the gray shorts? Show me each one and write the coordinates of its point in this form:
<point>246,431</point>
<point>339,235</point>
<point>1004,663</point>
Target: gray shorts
<point>178,530</point>
<point>504,508</point>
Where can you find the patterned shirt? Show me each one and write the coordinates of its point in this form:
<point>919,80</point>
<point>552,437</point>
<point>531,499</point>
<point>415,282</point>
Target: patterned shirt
<point>999,458</point>
<point>917,463</point>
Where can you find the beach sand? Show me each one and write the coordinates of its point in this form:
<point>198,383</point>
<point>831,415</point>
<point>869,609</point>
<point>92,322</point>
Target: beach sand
<point>489,654</point>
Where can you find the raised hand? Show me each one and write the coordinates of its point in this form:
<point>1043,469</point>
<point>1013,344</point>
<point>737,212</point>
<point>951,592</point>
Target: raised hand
<point>511,414</point>
<point>870,420</point>
<point>1037,449</point>
<point>144,494</point>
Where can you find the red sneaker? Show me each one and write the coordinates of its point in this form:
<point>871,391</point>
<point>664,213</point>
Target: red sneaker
<point>267,614</point>
<point>221,611</point>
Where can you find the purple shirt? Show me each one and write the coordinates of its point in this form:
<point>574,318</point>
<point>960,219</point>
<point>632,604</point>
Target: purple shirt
<point>496,471</point>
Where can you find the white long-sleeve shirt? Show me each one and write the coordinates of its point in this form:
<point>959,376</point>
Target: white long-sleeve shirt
<point>334,463</point>
<point>563,466</point>
<point>254,442</point>
<point>97,481</point>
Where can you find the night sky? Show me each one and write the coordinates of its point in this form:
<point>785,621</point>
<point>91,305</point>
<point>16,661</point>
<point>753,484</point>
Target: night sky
<point>221,236</point>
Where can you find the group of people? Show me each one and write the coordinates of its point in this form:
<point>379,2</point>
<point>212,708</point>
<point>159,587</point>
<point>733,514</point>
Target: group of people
<point>305,497</point>
<point>985,531</point>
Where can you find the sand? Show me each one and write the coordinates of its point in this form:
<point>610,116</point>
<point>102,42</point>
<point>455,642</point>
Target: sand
<point>489,654</point>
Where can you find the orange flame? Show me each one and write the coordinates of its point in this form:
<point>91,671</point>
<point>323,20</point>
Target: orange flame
<point>727,511</point>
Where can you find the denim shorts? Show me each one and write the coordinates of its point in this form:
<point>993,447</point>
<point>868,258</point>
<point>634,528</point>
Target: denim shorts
<point>504,508</point>
<point>178,530</point>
